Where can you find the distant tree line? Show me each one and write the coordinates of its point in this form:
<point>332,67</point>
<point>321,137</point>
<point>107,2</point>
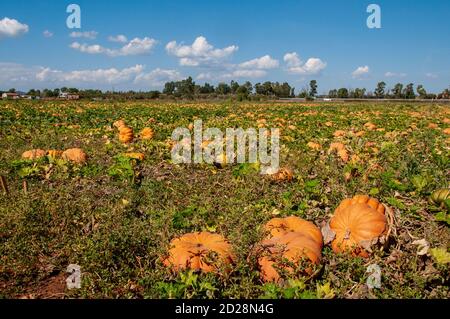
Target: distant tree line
<point>399,91</point>
<point>188,89</point>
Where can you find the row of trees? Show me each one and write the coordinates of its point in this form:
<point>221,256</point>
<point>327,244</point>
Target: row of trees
<point>188,89</point>
<point>399,91</point>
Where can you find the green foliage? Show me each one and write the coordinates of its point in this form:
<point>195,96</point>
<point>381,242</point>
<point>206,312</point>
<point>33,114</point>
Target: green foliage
<point>115,216</point>
<point>123,168</point>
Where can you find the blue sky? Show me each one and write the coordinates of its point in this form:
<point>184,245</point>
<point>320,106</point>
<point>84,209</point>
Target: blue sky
<point>214,41</point>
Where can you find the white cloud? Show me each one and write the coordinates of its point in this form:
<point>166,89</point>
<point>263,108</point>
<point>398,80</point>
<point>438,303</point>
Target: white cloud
<point>205,76</point>
<point>85,48</point>
<point>22,77</point>
<point>295,65</point>
<point>292,59</point>
<point>12,28</point>
<point>395,75</point>
<point>15,75</point>
<point>47,34</point>
<point>199,53</point>
<point>103,76</point>
<point>134,47</point>
<point>118,38</point>
<point>246,74</point>
<point>158,77</point>
<point>264,62</point>
<point>431,75</point>
<point>361,72</point>
<point>86,34</point>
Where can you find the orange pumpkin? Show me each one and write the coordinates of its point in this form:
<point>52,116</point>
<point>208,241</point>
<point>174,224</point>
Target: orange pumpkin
<point>314,146</point>
<point>147,133</point>
<point>33,154</point>
<point>339,133</point>
<point>281,226</point>
<point>295,247</point>
<point>358,223</point>
<point>54,153</point>
<point>283,174</point>
<point>200,251</point>
<point>370,126</point>
<point>340,149</point>
<point>126,134</point>
<point>76,155</point>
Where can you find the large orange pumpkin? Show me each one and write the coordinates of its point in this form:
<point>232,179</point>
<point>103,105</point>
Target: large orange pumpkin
<point>147,133</point>
<point>200,251</point>
<point>33,154</point>
<point>126,134</point>
<point>76,155</point>
<point>292,246</point>
<point>281,226</point>
<point>358,223</point>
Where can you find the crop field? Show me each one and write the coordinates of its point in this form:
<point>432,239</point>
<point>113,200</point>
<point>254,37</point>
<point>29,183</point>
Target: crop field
<point>114,214</point>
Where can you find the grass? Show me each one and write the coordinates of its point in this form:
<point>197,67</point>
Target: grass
<point>116,218</point>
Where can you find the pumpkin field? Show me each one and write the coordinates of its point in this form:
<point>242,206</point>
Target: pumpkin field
<point>360,207</point>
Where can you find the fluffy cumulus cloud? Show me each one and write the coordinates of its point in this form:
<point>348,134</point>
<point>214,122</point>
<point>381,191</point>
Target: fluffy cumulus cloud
<point>394,75</point>
<point>264,62</point>
<point>136,46</point>
<point>361,72</point>
<point>118,38</point>
<point>200,52</point>
<point>12,28</point>
<point>86,34</point>
<point>157,77</point>
<point>431,75</point>
<point>295,65</point>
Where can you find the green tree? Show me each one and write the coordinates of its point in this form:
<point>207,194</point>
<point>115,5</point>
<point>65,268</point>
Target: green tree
<point>358,93</point>
<point>234,86</point>
<point>409,91</point>
<point>333,93</point>
<point>313,88</point>
<point>185,88</point>
<point>342,93</point>
<point>223,88</point>
<point>379,91</point>
<point>397,91</point>
<point>169,88</point>
<point>421,91</point>
<point>207,89</point>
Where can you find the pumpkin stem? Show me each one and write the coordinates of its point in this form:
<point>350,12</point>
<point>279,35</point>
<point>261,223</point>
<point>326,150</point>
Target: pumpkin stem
<point>347,234</point>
